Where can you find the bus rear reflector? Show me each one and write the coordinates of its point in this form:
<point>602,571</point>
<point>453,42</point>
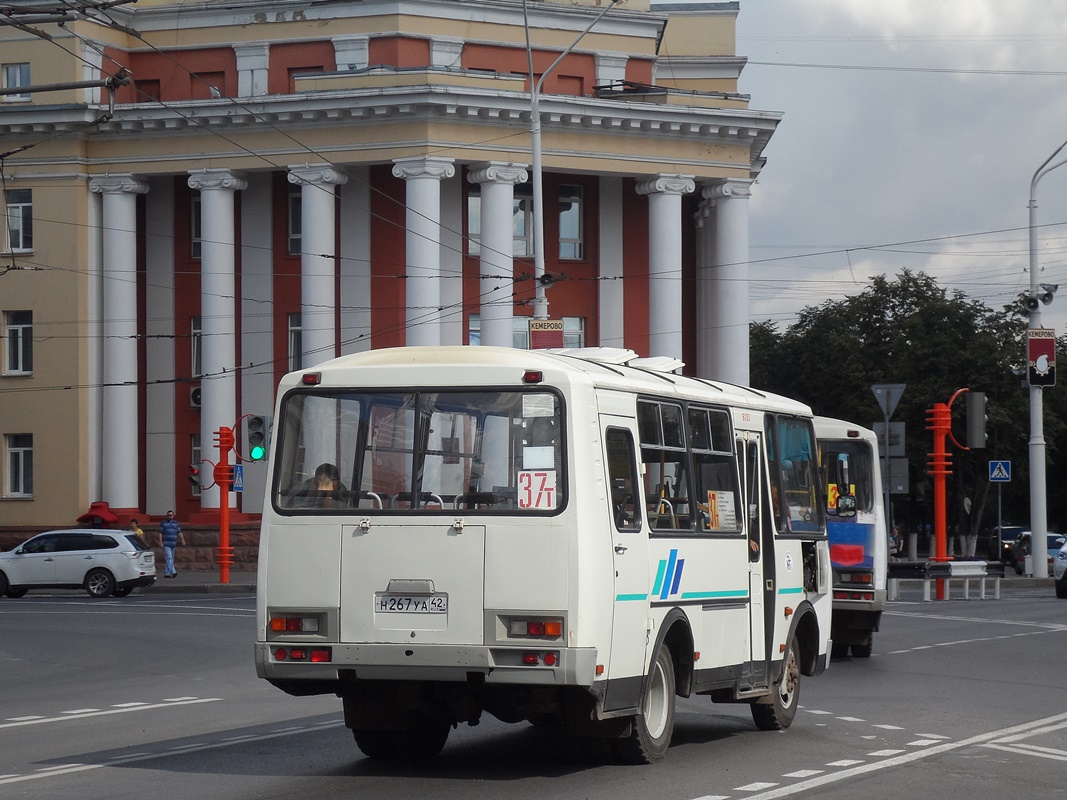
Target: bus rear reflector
<point>316,655</point>
<point>532,376</point>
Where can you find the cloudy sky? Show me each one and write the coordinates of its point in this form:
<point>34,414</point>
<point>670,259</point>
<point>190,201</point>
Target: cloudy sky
<point>911,131</point>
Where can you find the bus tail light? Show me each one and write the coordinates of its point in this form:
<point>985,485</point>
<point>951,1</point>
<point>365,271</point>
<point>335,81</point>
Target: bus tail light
<point>316,655</point>
<point>533,659</point>
<point>294,624</point>
<point>540,628</point>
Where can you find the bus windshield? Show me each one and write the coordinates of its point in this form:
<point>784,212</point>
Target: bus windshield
<point>420,452</point>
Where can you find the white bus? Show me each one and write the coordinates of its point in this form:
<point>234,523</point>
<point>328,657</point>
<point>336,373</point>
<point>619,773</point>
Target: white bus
<point>859,542</point>
<point>571,538</point>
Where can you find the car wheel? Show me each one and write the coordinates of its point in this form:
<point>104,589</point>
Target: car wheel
<point>122,592</point>
<point>777,711</point>
<point>654,723</point>
<point>3,583</point>
<point>1061,588</point>
<point>16,591</point>
<point>99,583</point>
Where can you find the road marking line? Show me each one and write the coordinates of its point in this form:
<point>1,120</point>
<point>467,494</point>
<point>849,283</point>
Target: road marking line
<point>84,715</point>
<point>890,727</point>
<point>803,773</point>
<point>851,719</point>
<point>81,711</point>
<point>22,719</point>
<point>755,787</point>
<point>883,753</point>
<point>845,762</point>
<point>982,739</point>
<point>1030,750</point>
<point>926,742</point>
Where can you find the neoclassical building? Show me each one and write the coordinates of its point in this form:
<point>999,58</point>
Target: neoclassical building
<point>263,186</point>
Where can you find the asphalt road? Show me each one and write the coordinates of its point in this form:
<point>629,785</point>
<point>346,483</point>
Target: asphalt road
<point>155,695</point>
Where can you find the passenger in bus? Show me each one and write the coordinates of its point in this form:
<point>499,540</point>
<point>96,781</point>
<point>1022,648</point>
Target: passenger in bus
<point>323,490</point>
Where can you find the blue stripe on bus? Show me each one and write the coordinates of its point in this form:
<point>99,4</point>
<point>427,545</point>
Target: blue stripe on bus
<point>710,595</point>
<point>659,577</point>
<point>791,590</point>
<point>672,558</point>
<point>677,576</point>
<point>625,597</point>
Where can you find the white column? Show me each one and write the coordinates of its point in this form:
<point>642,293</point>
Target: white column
<point>354,263</point>
<point>496,287</point>
<point>423,285</point>
<point>727,342</point>
<point>665,261</point>
<point>121,457</point>
<point>706,319</point>
<point>218,355</point>
<point>318,268</point>
<point>612,287</point>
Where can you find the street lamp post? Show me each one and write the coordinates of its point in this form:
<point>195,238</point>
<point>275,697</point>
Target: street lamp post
<point>1038,506</point>
<point>540,305</point>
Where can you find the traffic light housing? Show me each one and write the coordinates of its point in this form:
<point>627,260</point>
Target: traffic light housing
<point>194,477</point>
<point>976,419</point>
<point>258,427</point>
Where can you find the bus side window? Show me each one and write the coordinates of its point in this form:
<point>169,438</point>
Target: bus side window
<point>622,479</point>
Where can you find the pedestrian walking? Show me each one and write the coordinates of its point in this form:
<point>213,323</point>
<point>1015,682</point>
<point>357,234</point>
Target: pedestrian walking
<point>170,536</point>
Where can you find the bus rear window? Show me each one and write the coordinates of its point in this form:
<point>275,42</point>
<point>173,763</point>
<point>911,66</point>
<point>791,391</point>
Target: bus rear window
<point>420,452</point>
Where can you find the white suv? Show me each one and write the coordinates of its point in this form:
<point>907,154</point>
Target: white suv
<point>1059,572</point>
<point>102,562</point>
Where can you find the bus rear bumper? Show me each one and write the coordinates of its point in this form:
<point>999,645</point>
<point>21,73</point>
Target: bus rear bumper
<point>540,666</point>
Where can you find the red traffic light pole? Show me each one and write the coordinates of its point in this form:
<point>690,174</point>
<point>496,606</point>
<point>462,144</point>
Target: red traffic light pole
<point>223,475</point>
<point>939,420</point>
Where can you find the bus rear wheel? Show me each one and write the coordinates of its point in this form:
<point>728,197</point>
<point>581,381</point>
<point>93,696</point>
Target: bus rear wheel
<point>777,711</point>
<point>652,727</point>
<point>424,738</point>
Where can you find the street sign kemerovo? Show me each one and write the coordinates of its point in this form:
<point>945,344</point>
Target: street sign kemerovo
<point>1041,353</point>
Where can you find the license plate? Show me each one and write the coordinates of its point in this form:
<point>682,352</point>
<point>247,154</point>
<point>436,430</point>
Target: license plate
<point>411,604</point>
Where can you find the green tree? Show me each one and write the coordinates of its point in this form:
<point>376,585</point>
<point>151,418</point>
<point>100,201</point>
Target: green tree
<point>912,331</point>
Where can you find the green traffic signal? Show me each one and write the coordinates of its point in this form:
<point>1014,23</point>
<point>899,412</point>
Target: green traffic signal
<point>258,437</point>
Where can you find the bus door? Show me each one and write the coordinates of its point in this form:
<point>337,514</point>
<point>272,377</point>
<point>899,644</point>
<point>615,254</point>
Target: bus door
<point>629,628</point>
<point>760,553</point>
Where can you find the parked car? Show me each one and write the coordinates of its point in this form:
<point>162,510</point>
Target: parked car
<point>1059,572</point>
<point>1020,549</point>
<point>101,562</point>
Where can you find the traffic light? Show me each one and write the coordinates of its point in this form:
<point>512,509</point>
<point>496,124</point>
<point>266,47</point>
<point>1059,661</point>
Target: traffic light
<point>976,419</point>
<point>194,477</point>
<point>258,437</point>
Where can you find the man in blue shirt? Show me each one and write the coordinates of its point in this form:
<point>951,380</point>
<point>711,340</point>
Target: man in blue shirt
<point>170,536</point>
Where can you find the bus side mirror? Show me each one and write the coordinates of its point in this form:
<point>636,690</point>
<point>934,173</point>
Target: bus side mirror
<point>846,503</point>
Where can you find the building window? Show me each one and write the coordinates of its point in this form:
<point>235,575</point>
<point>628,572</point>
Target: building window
<point>19,205</point>
<point>295,343</point>
<point>196,343</point>
<point>196,467</point>
<point>19,448</point>
<point>195,225</point>
<point>521,221</point>
<point>573,331</point>
<point>15,77</point>
<point>570,223</point>
<point>295,220</point>
<point>18,336</point>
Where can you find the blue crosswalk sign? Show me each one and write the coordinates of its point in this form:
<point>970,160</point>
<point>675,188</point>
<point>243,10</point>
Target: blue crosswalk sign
<point>1000,471</point>
<point>239,477</point>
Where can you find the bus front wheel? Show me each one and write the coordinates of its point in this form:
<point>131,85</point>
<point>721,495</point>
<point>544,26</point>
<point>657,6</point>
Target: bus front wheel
<point>652,727</point>
<point>777,711</point>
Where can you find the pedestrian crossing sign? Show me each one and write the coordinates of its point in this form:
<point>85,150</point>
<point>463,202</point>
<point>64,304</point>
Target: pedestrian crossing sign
<point>239,477</point>
<point>1000,471</point>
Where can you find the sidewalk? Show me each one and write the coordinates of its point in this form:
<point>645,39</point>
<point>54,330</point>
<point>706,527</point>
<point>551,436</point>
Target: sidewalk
<point>202,582</point>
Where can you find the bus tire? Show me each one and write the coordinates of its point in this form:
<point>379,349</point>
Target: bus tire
<point>862,650</point>
<point>777,711</point>
<point>651,728</point>
<point>375,743</point>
